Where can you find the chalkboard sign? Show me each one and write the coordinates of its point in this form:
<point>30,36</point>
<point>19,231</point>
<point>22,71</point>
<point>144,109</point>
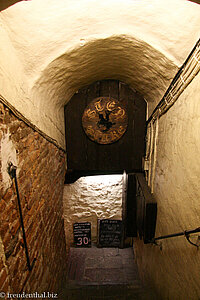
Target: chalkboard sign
<point>110,233</point>
<point>82,234</point>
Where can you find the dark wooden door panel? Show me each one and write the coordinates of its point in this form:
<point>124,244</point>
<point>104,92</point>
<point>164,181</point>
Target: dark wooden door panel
<point>75,140</point>
<point>131,207</point>
<point>93,91</point>
<point>125,154</point>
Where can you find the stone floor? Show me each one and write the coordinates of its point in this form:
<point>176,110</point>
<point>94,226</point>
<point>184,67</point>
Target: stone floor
<point>104,273</point>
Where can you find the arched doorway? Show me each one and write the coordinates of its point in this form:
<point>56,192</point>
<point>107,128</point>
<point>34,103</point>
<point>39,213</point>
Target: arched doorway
<point>88,157</point>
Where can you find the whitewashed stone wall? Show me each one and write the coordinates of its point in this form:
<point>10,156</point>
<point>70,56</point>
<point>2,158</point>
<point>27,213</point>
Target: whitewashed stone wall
<point>175,270</point>
<point>51,48</point>
<point>89,199</point>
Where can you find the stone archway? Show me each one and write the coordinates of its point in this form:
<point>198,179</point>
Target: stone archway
<point>118,57</point>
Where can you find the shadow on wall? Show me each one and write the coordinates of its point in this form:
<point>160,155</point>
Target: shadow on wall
<point>6,3</point>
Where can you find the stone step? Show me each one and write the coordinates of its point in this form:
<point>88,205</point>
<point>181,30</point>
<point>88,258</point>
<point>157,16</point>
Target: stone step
<point>107,292</point>
<point>104,274</point>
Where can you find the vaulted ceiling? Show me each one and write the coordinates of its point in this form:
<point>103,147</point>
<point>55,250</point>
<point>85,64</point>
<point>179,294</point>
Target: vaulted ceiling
<point>53,48</point>
<point>6,3</point>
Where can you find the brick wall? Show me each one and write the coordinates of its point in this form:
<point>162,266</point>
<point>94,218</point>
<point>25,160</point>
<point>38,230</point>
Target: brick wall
<point>40,173</point>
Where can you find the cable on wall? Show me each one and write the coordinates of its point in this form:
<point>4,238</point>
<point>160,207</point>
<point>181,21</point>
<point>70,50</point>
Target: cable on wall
<point>185,75</point>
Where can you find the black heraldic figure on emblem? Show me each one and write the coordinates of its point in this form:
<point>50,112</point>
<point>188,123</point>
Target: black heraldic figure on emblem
<point>105,120</point>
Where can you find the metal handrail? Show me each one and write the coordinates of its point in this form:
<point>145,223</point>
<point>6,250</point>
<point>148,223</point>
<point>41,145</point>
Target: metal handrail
<point>12,172</point>
<point>185,233</point>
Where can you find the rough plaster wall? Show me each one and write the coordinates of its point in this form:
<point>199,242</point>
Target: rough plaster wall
<point>139,42</point>
<point>7,155</point>
<point>117,57</point>
<point>13,83</point>
<point>175,269</point>
<point>91,198</point>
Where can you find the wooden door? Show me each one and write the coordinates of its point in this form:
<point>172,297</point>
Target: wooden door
<point>125,154</point>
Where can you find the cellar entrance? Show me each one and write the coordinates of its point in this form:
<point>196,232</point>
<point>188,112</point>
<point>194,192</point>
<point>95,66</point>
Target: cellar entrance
<point>109,119</point>
<point>101,260</point>
<point>106,135</point>
<point>104,273</point>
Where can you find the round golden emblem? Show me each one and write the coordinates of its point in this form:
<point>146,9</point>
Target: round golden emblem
<point>105,120</point>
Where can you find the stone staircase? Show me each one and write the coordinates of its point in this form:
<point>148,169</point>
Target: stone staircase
<point>104,274</point>
<point>108,292</point>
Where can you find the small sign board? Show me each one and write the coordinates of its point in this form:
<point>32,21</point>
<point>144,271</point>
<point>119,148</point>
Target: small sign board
<point>82,234</point>
<point>110,233</point>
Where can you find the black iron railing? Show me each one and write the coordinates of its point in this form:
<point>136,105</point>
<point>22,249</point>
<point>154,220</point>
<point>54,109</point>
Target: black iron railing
<point>185,233</point>
<point>12,172</point>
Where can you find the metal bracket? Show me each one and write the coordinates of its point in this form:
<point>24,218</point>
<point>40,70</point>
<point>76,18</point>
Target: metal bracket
<point>188,239</point>
<point>11,170</point>
<point>186,233</point>
<point>157,244</point>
